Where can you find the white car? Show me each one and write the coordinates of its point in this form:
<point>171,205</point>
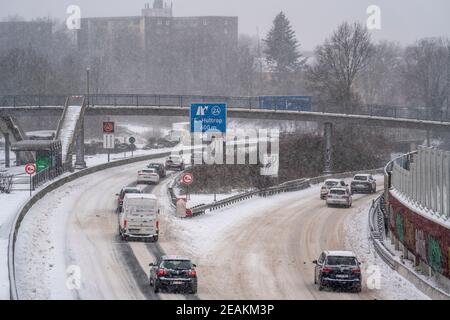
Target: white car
<point>175,162</point>
<point>148,175</point>
<point>339,196</point>
<point>330,183</point>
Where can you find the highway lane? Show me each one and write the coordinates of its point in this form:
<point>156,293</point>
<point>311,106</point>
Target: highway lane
<point>270,256</point>
<point>110,268</point>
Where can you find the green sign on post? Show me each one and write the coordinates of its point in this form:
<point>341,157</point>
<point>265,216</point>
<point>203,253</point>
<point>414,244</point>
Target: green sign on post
<point>42,163</point>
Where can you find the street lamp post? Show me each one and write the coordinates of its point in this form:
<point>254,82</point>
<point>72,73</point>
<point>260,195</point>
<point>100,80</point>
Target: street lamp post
<point>87,84</point>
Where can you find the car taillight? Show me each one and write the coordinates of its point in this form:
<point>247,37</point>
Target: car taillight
<point>326,270</point>
<point>162,272</point>
<point>356,270</point>
<point>192,273</point>
<point>125,223</point>
<point>157,224</point>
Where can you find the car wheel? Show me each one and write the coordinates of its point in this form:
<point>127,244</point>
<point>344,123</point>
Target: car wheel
<point>321,286</point>
<point>155,239</point>
<point>156,287</point>
<point>193,290</point>
<point>358,289</point>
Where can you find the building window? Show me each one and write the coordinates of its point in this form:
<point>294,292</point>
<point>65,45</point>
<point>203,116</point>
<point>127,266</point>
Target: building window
<point>226,22</point>
<point>160,22</point>
<point>205,22</point>
<point>167,22</point>
<point>225,31</point>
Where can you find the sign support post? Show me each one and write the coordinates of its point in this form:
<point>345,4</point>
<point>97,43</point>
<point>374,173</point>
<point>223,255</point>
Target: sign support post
<point>30,169</point>
<point>108,137</point>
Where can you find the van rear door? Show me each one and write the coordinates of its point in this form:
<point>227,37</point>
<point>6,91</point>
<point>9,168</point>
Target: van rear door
<point>142,219</point>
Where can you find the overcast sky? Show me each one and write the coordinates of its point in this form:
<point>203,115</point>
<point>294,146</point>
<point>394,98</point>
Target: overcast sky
<point>313,20</point>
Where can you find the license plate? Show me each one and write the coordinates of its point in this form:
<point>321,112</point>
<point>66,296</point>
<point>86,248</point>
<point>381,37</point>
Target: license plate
<point>342,276</point>
<point>360,185</point>
<point>177,282</point>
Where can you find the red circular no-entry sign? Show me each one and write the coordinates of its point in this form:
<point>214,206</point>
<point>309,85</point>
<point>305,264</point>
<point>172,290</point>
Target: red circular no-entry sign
<point>30,168</point>
<point>187,178</point>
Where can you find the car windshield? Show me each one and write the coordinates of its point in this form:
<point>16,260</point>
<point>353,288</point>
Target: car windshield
<point>153,165</point>
<point>177,264</point>
<point>331,183</point>
<point>132,191</point>
<point>337,191</point>
<point>360,178</point>
<point>149,171</point>
<point>341,261</point>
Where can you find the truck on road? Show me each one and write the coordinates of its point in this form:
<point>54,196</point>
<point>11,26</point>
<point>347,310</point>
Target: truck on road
<point>138,218</point>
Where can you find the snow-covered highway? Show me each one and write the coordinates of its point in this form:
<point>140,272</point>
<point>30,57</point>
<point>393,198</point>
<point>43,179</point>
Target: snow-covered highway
<point>259,249</point>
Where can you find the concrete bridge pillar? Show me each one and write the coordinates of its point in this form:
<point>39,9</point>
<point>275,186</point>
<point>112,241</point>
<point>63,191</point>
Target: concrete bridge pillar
<point>328,131</point>
<point>7,147</point>
<point>79,160</point>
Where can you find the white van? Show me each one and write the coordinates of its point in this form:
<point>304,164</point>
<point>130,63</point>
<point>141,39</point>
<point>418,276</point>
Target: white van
<point>139,217</point>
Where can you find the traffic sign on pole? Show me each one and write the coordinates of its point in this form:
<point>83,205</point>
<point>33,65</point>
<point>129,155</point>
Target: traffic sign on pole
<point>187,178</point>
<point>30,169</point>
<point>108,127</point>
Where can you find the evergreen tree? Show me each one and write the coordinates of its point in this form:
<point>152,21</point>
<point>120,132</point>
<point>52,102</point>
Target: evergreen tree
<point>282,48</point>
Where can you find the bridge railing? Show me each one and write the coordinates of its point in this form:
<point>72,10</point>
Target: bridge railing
<point>184,101</point>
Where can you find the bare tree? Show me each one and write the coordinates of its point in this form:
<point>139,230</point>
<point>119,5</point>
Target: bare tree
<point>380,83</point>
<point>426,73</point>
<point>338,63</point>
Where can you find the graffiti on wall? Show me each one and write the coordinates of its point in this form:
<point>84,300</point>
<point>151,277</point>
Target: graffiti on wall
<point>409,234</point>
<point>434,254</point>
<point>399,227</point>
<point>421,245</point>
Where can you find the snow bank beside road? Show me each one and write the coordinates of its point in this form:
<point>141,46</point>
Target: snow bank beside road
<point>392,285</point>
<point>10,204</point>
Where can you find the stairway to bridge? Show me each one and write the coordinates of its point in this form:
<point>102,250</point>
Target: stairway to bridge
<point>70,124</point>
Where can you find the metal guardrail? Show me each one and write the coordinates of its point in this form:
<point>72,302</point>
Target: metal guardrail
<point>49,174</point>
<point>288,186</point>
<point>167,100</point>
<point>376,228</point>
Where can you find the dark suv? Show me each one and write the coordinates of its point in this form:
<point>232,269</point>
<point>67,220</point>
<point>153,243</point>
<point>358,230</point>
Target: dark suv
<point>160,168</point>
<point>122,194</point>
<point>173,272</point>
<point>338,269</point>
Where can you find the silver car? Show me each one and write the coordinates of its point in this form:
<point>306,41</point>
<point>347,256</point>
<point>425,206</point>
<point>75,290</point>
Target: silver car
<point>339,196</point>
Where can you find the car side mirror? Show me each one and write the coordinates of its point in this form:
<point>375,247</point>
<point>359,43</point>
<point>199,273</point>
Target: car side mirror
<point>314,261</point>
<point>194,265</point>
<point>117,194</point>
<point>151,264</point>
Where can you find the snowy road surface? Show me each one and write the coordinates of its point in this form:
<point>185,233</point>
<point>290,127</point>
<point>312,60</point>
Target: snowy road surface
<point>260,249</point>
